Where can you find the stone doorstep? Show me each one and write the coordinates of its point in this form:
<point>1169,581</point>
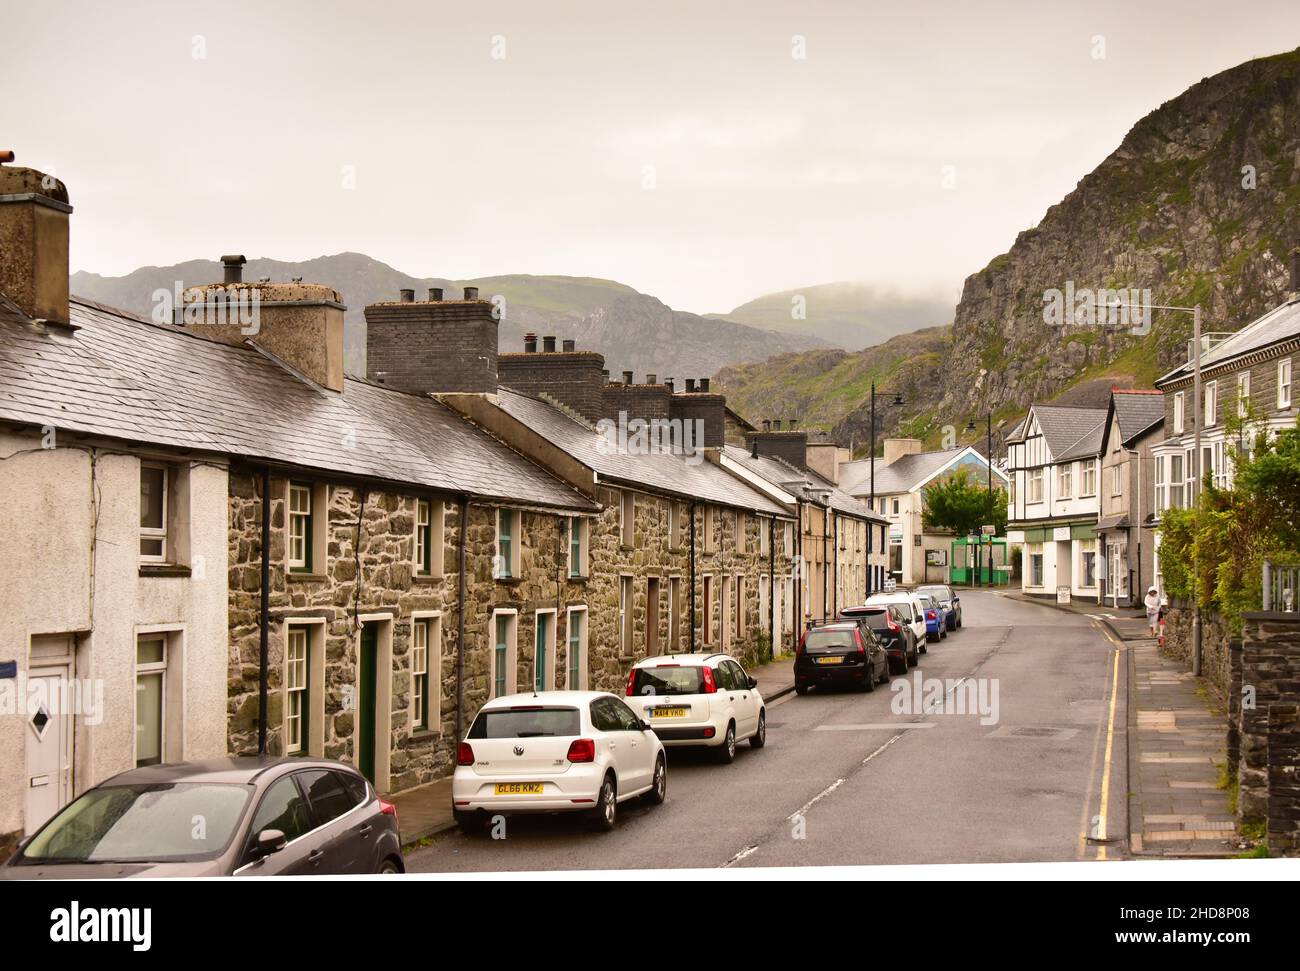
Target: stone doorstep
<point>1202,821</point>
<point>1185,835</point>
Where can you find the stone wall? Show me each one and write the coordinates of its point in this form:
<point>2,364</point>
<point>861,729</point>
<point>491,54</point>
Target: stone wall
<point>1269,737</point>
<point>1216,661</point>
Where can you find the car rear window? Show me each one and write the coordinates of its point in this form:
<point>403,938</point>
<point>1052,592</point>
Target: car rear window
<point>539,722</point>
<point>830,641</point>
<point>668,680</point>
<point>938,593</point>
<point>877,618</point>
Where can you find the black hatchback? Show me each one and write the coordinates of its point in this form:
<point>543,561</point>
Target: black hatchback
<point>894,632</point>
<point>842,652</point>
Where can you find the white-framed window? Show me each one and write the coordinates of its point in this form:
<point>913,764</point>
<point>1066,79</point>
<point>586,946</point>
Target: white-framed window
<point>709,529</point>
<point>1177,481</point>
<point>426,671</point>
<point>1243,394</point>
<point>504,631</point>
<point>674,614</point>
<point>1036,484</point>
<point>787,537</point>
<point>625,616</point>
<point>1189,467</point>
<point>1178,413</point>
<point>509,541</point>
<point>1034,551</point>
<point>1211,402</point>
<point>578,544</point>
<point>1089,468</point>
<point>576,654</point>
<point>1065,481</point>
<point>742,527</point>
<point>544,649</point>
<point>297,654</point>
<point>706,619</point>
<point>1116,480</point>
<point>740,606</point>
<point>429,518</point>
<point>894,509</point>
<point>1284,383</point>
<point>155,481</point>
<point>1161,486</point>
<point>301,531</point>
<point>764,536</point>
<point>627,517</point>
<point>1011,491</point>
<point>150,698</point>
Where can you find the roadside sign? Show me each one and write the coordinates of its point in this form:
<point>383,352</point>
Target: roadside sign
<point>1062,595</point>
<point>936,557</point>
<point>989,530</point>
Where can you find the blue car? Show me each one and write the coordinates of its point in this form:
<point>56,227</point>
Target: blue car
<point>936,620</point>
<point>948,599</point>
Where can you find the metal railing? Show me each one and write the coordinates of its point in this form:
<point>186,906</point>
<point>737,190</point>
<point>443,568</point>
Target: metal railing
<point>1281,584</point>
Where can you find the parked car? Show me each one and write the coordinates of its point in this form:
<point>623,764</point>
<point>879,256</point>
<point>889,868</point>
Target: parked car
<point>948,598</point>
<point>260,817</point>
<point>553,752</point>
<point>936,627</point>
<point>841,652</point>
<point>893,630</point>
<point>699,699</point>
<point>913,611</point>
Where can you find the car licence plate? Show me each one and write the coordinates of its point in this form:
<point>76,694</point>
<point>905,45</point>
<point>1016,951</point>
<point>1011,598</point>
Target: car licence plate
<point>518,788</point>
<point>837,659</point>
<point>669,712</point>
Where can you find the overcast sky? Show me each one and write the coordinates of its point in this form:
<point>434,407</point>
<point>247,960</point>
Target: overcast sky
<point>682,148</point>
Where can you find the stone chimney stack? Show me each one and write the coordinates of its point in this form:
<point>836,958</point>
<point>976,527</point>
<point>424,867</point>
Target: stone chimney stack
<point>697,402</point>
<point>34,214</point>
<point>790,445</point>
<point>301,324</point>
<point>574,378</point>
<point>434,346</point>
<point>896,448</point>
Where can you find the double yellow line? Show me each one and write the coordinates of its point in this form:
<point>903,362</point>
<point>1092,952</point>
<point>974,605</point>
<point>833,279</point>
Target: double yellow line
<point>1110,747</point>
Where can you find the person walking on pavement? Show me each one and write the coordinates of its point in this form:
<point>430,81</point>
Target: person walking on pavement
<point>1152,604</point>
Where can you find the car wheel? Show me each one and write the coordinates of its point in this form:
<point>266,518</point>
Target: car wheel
<point>912,659</point>
<point>887,674</point>
<point>801,689</point>
<point>759,738</point>
<point>869,682</point>
<point>727,750</point>
<point>389,867</point>
<point>921,648</point>
<point>471,824</point>
<point>659,784</point>
<point>605,814</point>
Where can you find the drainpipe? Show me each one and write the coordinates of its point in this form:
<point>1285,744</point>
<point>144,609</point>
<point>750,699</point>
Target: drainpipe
<point>835,559</point>
<point>800,570</point>
<point>693,576</point>
<point>263,647</point>
<point>771,584</point>
<point>460,625</point>
<point>826,560</point>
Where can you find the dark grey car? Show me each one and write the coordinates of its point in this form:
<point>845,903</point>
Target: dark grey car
<point>243,816</point>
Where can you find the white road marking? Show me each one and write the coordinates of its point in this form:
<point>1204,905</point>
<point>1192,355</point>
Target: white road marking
<point>882,748</point>
<point>875,727</point>
<point>740,856</point>
<point>817,798</point>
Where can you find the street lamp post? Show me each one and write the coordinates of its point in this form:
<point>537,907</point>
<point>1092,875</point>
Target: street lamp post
<point>988,457</point>
<point>1195,311</point>
<point>898,401</point>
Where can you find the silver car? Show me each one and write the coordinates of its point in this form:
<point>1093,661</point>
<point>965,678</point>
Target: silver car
<point>241,816</point>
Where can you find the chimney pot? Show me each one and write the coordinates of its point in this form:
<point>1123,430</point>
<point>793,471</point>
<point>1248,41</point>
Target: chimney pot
<point>407,296</point>
<point>793,422</point>
<point>435,294</point>
<point>652,379</point>
<point>1295,270</point>
<point>233,269</point>
<point>548,343</point>
<point>6,157</point>
<point>530,343</point>
<point>753,449</point>
<point>690,384</point>
<point>704,384</point>
<point>471,293</point>
<point>668,383</point>
<point>776,425</point>
<point>606,373</point>
<point>627,377</point>
<point>767,424</point>
<point>570,346</point>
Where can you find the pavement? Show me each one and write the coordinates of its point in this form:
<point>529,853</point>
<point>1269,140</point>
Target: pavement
<point>1176,743</point>
<point>425,811</point>
<point>1014,773</point>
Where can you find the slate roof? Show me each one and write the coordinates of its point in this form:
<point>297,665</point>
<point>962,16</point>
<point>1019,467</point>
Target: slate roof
<point>125,378</point>
<point>804,483</point>
<point>1069,432</point>
<point>1135,412</point>
<point>660,472</point>
<point>1278,324</point>
<point>901,475</point>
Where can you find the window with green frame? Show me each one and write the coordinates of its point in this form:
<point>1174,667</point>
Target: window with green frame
<point>501,655</point>
<point>540,659</point>
<point>423,537</point>
<point>574,659</point>
<point>577,542</point>
<point>420,638</point>
<point>506,519</point>
<point>300,526</point>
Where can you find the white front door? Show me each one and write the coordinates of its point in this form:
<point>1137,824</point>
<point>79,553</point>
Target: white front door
<point>49,750</point>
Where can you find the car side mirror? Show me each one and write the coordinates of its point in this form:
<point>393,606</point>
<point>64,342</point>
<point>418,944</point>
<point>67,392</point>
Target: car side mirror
<point>269,841</point>
<point>753,682</point>
<point>646,727</point>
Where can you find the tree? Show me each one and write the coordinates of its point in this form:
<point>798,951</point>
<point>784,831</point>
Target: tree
<point>961,503</point>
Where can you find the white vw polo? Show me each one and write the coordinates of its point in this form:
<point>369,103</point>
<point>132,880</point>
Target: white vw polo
<point>556,751</point>
<point>699,699</point>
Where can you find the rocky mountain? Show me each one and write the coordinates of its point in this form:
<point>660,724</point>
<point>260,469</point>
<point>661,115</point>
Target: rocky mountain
<point>1200,203</point>
<point>633,330</point>
<point>848,315</point>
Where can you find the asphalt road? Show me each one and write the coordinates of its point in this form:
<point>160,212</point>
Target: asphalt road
<point>852,778</point>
